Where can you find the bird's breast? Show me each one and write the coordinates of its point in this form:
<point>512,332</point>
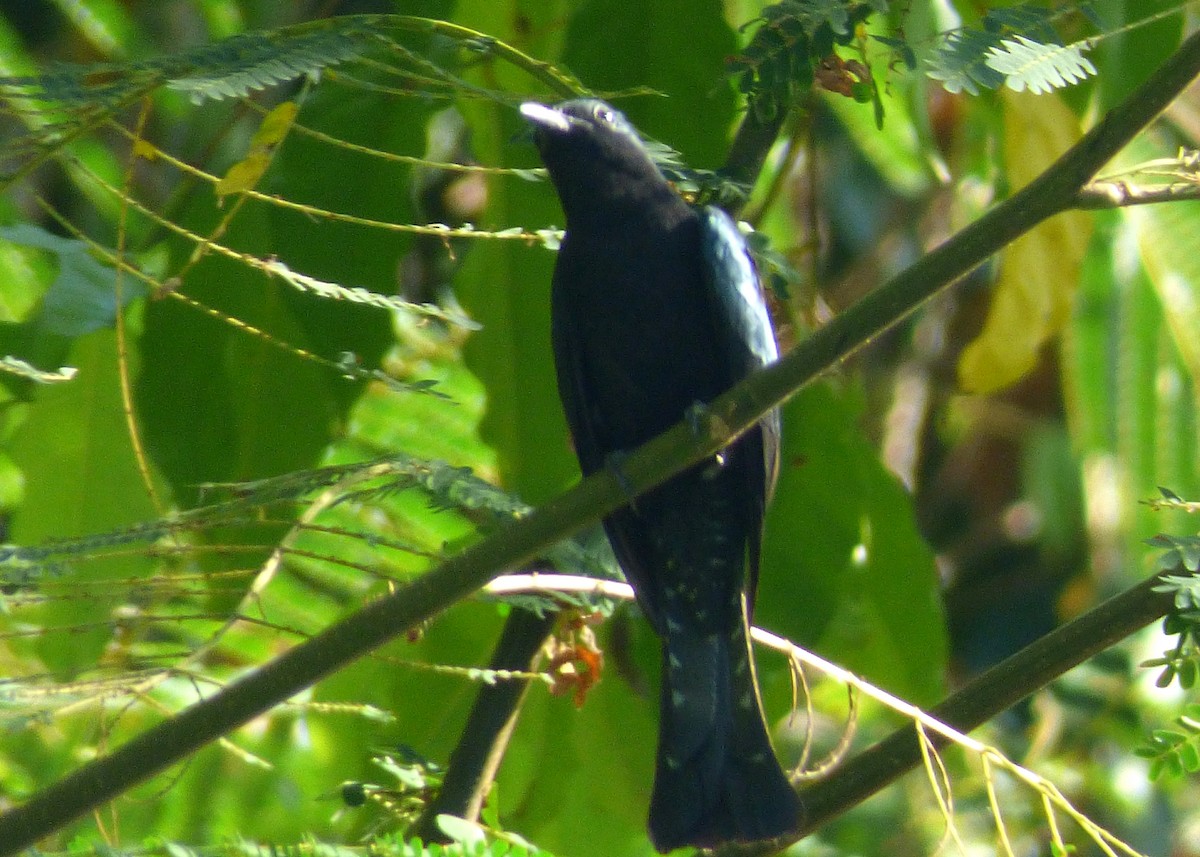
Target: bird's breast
<point>641,323</point>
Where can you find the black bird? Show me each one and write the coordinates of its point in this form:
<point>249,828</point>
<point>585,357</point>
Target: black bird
<point>656,307</point>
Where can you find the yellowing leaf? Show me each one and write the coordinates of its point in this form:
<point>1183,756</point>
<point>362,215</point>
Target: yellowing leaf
<point>1039,272</point>
<point>244,175</point>
<point>275,126</point>
<point>247,172</point>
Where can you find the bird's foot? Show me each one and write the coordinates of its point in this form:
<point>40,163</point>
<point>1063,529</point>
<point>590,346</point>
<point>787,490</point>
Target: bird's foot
<point>614,462</point>
<point>703,422</point>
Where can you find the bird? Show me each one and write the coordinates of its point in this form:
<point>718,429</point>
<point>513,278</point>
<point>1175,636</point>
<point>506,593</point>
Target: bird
<point>656,310</point>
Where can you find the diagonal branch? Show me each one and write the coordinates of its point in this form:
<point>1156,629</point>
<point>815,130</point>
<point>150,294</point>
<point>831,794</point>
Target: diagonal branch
<point>985,696</point>
<point>103,779</point>
<point>485,737</point>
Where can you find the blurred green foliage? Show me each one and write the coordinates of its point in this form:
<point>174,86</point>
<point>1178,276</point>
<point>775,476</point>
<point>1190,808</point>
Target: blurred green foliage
<point>917,533</point>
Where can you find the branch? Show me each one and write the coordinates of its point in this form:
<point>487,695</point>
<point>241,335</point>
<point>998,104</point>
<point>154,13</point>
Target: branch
<point>1119,194</point>
<point>988,694</point>
<point>996,690</point>
<point>489,726</point>
<point>155,750</point>
<point>751,145</point>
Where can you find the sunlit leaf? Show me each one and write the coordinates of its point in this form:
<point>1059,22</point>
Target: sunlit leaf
<point>1039,272</point>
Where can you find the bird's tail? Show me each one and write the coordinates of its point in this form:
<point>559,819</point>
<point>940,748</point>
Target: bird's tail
<point>717,779</point>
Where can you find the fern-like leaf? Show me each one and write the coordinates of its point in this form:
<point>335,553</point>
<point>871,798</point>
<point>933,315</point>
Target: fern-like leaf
<point>1034,21</point>
<point>236,66</point>
<point>1027,64</point>
<point>794,39</point>
<point>960,62</point>
<point>1018,47</point>
<point>226,69</point>
<point>72,100</point>
<point>1174,752</point>
<point>811,14</point>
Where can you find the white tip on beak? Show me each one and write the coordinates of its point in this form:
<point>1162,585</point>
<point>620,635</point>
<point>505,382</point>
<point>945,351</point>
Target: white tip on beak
<point>545,117</point>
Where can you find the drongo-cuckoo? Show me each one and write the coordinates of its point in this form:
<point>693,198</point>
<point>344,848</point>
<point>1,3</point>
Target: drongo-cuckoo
<point>655,308</point>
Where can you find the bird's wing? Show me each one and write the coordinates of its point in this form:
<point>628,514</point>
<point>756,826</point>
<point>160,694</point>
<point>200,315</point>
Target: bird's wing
<point>628,534</point>
<point>733,282</point>
<point>573,386</point>
<point>744,336</point>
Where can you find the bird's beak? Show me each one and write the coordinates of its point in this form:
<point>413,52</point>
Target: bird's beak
<point>545,117</point>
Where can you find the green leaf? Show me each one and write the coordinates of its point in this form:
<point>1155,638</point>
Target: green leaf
<point>217,399</point>
<point>895,149</point>
<point>506,289</point>
<point>618,44</point>
<point>106,24</point>
<point>81,477</point>
<point>845,570</point>
<point>1140,388</point>
<point>1187,674</point>
<point>571,769</point>
<point>1164,235</point>
<point>1189,757</point>
<point>462,831</point>
<point>25,276</point>
<point>1168,738</point>
<point>82,298</point>
<point>1127,57</point>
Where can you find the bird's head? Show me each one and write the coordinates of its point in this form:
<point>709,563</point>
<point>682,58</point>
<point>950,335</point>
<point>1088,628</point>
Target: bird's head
<point>590,150</point>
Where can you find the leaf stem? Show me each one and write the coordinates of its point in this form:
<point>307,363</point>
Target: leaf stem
<point>168,743</point>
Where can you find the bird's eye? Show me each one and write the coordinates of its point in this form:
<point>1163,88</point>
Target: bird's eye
<point>603,114</point>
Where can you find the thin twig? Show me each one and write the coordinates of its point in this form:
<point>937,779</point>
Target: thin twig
<point>171,741</point>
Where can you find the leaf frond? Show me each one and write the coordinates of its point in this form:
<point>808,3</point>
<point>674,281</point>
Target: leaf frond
<point>1026,64</point>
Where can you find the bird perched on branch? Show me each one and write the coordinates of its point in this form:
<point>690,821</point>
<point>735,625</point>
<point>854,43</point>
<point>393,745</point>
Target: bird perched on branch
<point>656,307</point>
